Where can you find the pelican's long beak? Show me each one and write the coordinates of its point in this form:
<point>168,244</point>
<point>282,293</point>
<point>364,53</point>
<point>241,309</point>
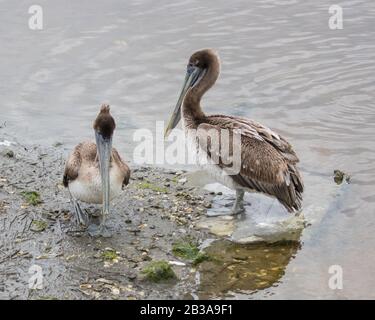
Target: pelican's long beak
<point>191,78</point>
<point>104,149</point>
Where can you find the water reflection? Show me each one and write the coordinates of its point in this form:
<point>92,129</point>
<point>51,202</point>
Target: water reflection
<point>239,268</point>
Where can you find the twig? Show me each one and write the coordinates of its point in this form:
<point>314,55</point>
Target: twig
<point>10,256</point>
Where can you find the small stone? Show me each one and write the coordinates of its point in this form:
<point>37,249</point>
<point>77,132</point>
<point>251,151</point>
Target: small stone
<point>182,220</point>
<point>115,291</point>
<point>182,180</point>
<point>132,276</point>
<point>9,154</point>
<point>57,144</point>
<point>146,257</point>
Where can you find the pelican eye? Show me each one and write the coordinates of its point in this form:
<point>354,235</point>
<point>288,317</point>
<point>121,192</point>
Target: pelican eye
<point>190,68</point>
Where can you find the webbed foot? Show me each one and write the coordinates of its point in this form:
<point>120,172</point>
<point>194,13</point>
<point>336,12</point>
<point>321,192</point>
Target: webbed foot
<point>81,217</point>
<point>237,207</point>
<point>101,230</point>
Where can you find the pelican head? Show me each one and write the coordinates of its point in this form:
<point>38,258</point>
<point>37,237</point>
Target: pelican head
<point>198,66</point>
<point>104,126</point>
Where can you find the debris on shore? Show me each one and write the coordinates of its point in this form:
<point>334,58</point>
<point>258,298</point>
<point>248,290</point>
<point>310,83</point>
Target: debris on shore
<point>339,177</point>
<point>155,211</point>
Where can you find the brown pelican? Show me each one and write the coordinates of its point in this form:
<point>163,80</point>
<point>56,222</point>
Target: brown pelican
<point>267,160</point>
<point>95,173</point>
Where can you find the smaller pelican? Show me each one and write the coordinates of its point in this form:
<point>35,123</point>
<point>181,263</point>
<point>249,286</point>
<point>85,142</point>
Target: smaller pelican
<point>95,173</point>
<point>268,163</point>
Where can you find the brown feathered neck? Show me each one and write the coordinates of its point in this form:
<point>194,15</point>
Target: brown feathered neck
<point>104,122</point>
<point>209,61</point>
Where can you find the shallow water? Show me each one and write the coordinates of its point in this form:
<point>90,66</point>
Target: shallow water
<point>281,65</point>
<point>239,269</point>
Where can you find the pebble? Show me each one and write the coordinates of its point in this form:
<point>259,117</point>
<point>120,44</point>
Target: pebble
<point>8,153</point>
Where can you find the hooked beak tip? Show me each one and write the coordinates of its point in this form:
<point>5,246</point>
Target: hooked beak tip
<point>167,132</point>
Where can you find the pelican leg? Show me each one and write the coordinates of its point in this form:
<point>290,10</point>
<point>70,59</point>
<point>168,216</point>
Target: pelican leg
<point>238,206</point>
<point>81,218</point>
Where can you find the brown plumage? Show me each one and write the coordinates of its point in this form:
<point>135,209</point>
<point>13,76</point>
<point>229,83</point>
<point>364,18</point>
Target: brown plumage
<point>268,161</point>
<point>85,155</point>
<point>104,122</point>
<point>95,172</point>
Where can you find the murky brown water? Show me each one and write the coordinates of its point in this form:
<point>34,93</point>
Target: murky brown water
<point>282,66</point>
<point>242,269</point>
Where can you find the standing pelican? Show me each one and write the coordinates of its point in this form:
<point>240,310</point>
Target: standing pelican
<point>95,173</point>
<point>268,162</point>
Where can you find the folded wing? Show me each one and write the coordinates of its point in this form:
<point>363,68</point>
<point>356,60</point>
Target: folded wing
<point>268,161</point>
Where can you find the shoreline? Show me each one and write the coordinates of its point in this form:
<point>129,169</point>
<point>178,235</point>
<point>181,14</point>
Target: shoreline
<point>156,210</point>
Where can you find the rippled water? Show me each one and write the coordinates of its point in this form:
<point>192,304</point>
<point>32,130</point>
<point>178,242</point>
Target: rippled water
<point>281,65</point>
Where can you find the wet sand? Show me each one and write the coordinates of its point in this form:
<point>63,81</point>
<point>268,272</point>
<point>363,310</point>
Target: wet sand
<point>155,211</point>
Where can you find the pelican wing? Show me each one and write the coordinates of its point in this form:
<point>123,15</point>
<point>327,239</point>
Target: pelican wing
<point>72,165</point>
<point>123,167</point>
<point>258,131</point>
<point>268,162</point>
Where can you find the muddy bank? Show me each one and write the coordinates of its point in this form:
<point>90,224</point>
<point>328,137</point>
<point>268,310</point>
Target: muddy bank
<point>158,219</point>
<point>154,212</point>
